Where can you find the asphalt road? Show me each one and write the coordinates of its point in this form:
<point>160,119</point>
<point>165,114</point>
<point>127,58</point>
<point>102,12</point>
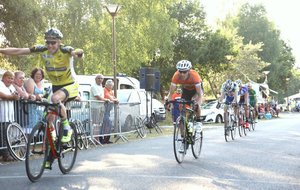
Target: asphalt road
<point>268,158</point>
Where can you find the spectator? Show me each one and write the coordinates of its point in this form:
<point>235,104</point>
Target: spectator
<point>19,85</point>
<point>34,85</point>
<point>97,93</point>
<point>107,124</point>
<point>7,94</point>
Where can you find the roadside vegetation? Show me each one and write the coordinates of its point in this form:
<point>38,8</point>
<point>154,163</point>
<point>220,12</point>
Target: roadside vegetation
<point>241,46</point>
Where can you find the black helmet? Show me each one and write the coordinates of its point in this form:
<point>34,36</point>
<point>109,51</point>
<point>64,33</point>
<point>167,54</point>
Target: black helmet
<point>54,34</point>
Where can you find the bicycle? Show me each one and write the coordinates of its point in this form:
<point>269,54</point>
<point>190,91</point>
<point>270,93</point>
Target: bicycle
<point>140,127</point>
<point>16,141</point>
<point>242,121</point>
<point>230,126</point>
<point>43,146</point>
<point>184,133</point>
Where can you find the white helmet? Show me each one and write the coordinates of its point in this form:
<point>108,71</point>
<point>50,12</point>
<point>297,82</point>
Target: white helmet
<point>183,65</point>
<point>229,85</point>
<point>238,82</point>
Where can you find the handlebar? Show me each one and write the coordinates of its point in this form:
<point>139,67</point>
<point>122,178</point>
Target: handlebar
<point>41,103</point>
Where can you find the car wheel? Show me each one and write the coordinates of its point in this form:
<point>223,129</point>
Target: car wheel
<point>218,119</point>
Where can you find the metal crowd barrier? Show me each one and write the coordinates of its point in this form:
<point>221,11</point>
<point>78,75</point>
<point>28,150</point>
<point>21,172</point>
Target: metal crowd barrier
<point>98,117</point>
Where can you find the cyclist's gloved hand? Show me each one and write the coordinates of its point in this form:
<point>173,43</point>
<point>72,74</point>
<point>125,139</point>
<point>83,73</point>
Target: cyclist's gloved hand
<point>79,53</point>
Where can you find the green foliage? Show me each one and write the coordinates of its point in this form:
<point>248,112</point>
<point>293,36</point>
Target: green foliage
<point>253,25</point>
<point>242,44</point>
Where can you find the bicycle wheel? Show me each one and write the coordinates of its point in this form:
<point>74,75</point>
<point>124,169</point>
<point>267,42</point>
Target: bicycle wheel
<point>86,133</point>
<point>240,126</point>
<point>227,126</point>
<point>16,141</point>
<point>68,151</point>
<point>233,130</point>
<point>197,143</point>
<point>140,127</point>
<point>179,140</point>
<point>244,129</point>
<point>252,120</point>
<point>82,137</point>
<point>37,152</point>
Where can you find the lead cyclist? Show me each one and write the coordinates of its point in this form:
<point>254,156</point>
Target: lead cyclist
<point>191,86</point>
<point>58,62</point>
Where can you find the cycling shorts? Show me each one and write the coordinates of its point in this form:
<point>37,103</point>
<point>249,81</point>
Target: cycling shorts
<point>188,94</point>
<point>71,90</point>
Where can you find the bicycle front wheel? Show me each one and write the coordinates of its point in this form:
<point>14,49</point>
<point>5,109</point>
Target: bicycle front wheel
<point>227,126</point>
<point>233,130</point>
<point>252,120</point>
<point>68,151</point>
<point>197,143</point>
<point>37,152</point>
<point>16,141</point>
<point>179,140</point>
<point>140,127</point>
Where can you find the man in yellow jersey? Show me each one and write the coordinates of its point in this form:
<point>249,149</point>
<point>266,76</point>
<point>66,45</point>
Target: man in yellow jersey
<point>58,60</point>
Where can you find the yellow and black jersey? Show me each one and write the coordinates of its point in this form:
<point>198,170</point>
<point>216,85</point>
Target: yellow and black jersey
<point>58,66</point>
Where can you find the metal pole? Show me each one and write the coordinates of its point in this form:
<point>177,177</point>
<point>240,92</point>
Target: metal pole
<point>114,54</point>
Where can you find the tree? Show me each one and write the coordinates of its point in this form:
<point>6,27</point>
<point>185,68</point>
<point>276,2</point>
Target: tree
<point>253,25</point>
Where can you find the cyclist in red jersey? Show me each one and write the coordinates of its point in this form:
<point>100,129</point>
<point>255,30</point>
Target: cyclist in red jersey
<point>191,85</point>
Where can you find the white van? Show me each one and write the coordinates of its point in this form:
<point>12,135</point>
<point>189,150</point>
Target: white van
<point>86,81</point>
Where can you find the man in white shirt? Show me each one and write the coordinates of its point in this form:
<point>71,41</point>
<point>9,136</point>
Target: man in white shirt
<point>7,95</point>
<point>97,94</point>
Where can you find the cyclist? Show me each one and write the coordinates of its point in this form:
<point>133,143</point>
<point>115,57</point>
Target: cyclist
<point>229,92</point>
<point>191,85</point>
<point>58,60</point>
<point>244,99</point>
<point>253,100</point>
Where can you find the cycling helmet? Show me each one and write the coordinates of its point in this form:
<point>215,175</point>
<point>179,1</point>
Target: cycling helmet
<point>238,82</point>
<point>229,85</point>
<point>54,34</point>
<point>183,65</point>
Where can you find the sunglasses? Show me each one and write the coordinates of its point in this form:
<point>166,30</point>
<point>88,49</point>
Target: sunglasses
<point>51,42</point>
<point>100,78</point>
<point>183,72</point>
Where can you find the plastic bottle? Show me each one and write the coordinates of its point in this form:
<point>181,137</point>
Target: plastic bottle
<point>190,127</point>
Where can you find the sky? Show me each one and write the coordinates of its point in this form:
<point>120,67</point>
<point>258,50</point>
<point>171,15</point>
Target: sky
<point>285,14</point>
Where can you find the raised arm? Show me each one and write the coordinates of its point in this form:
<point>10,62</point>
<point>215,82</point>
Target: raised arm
<point>15,51</point>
